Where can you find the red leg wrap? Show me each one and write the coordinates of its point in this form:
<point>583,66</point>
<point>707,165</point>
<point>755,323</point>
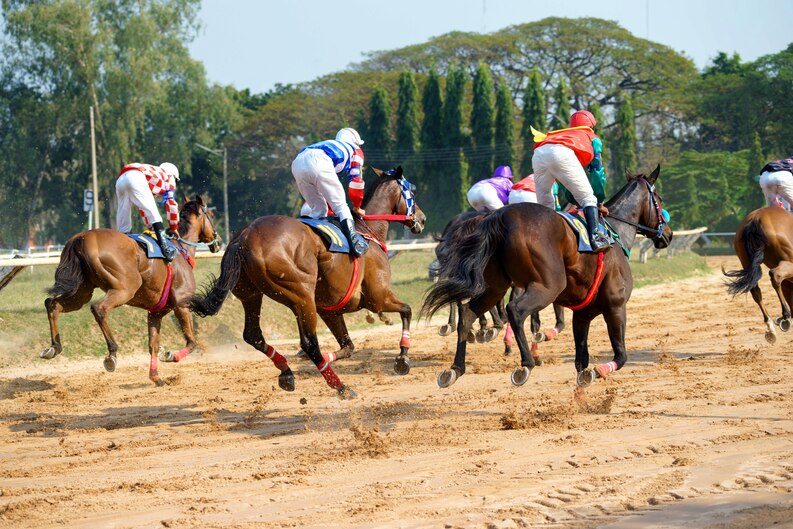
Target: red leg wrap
<point>550,334</point>
<point>181,353</point>
<point>331,378</point>
<point>405,341</point>
<point>605,369</point>
<point>534,348</point>
<point>153,375</point>
<point>329,357</point>
<point>509,335</point>
<point>277,358</point>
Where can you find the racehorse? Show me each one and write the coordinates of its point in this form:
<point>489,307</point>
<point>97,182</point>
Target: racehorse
<point>286,260</point>
<point>110,260</point>
<point>529,246</point>
<point>765,236</point>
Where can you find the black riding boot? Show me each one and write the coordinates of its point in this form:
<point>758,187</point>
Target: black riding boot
<point>167,250</point>
<point>357,243</point>
<point>596,237</point>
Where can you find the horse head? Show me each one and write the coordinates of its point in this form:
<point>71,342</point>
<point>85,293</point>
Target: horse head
<point>653,215</point>
<point>195,217</point>
<point>392,193</point>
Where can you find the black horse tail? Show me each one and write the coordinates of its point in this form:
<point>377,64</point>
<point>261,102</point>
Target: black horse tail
<point>209,301</point>
<point>462,265</point>
<point>70,275</point>
<point>754,242</point>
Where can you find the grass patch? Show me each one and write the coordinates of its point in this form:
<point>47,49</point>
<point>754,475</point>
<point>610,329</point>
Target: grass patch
<point>24,330</point>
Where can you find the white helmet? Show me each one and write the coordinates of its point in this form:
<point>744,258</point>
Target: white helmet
<point>171,169</point>
<point>349,135</point>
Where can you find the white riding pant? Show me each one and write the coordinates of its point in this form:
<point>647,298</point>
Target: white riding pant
<point>553,162</point>
<point>132,189</point>
<point>777,183</point>
<point>518,196</point>
<point>318,182</point>
<point>484,197</point>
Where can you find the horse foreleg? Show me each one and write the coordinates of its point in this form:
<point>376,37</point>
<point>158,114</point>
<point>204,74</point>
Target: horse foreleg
<point>154,321</point>
<point>338,327</point>
<point>252,334</point>
<point>54,307</point>
<point>185,319</point>
<point>390,303</point>
<point>615,324</point>
<point>113,298</point>
<point>757,296</point>
<point>778,275</point>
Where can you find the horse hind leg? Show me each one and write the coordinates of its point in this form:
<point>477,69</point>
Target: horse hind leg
<point>101,309</point>
<point>55,306</point>
<point>252,334</point>
<point>757,296</point>
<point>782,272</point>
<point>447,328</point>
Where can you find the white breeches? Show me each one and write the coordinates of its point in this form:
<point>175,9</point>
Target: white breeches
<point>483,197</point>
<point>517,196</point>
<point>778,183</point>
<point>558,163</point>
<point>132,189</point>
<point>318,182</point>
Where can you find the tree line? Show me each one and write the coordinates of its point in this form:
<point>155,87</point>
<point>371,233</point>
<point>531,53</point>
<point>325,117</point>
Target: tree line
<point>449,110</point>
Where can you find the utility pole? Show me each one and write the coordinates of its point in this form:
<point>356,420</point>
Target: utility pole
<point>224,154</point>
<point>93,169</point>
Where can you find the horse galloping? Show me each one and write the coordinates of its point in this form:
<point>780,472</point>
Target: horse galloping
<point>765,236</point>
<point>286,260</point>
<point>110,260</point>
<point>531,247</point>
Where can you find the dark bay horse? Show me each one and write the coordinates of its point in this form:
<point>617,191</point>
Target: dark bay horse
<point>109,260</point>
<point>286,260</point>
<point>765,237</point>
<point>531,247</point>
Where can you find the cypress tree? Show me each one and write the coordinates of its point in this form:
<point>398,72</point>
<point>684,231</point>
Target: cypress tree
<point>379,131</point>
<point>534,115</point>
<point>597,111</point>
<point>505,127</point>
<point>361,125</point>
<point>431,141</point>
<point>561,117</point>
<point>753,196</point>
<point>624,149</point>
<point>407,119</point>
<point>481,152</point>
<point>453,197</point>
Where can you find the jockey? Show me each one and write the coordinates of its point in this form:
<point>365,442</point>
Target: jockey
<point>315,170</point>
<point>523,191</point>
<point>137,184</point>
<point>776,180</point>
<point>493,193</point>
<point>562,155</point>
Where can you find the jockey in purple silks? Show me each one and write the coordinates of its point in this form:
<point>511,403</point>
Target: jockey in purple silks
<point>493,193</point>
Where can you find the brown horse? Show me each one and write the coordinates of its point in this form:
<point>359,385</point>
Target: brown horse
<point>286,260</point>
<point>765,237</point>
<point>109,260</point>
<point>531,247</point>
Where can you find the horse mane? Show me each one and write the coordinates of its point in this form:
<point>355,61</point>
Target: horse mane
<point>369,193</point>
<point>624,189</point>
<point>187,207</point>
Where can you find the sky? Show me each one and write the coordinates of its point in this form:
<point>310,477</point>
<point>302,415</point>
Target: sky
<point>257,43</point>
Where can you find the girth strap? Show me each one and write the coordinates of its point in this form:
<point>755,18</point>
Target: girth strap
<point>356,269</point>
<point>166,290</point>
<point>594,288</point>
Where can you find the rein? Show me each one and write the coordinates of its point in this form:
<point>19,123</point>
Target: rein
<point>215,240</point>
<point>647,231</point>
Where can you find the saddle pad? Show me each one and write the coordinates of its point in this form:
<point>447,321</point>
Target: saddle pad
<point>149,243</point>
<point>330,232</point>
<point>578,224</point>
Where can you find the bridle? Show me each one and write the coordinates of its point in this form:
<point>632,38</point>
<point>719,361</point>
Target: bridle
<point>407,191</point>
<point>215,239</point>
<point>655,234</point>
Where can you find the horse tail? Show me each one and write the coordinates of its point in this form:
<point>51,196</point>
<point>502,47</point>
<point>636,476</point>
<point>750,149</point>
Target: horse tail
<point>466,253</point>
<point>754,242</point>
<point>70,275</point>
<point>209,301</point>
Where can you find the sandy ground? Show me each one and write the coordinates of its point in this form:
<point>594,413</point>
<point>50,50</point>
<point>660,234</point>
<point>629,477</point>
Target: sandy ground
<point>696,431</point>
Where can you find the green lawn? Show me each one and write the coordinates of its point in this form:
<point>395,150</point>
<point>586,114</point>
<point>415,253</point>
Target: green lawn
<point>24,330</point>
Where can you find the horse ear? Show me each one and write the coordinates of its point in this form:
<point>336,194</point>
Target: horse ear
<point>399,171</point>
<point>199,200</point>
<point>654,175</point>
<point>186,200</point>
<point>377,171</point>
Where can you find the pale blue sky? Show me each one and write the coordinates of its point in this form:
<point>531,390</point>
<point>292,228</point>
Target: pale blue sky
<point>258,43</point>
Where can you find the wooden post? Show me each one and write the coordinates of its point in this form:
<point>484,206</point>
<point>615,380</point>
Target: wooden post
<point>93,170</point>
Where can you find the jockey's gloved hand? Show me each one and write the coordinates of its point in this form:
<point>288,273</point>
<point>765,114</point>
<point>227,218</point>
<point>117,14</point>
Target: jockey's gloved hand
<point>358,212</point>
<point>172,234</point>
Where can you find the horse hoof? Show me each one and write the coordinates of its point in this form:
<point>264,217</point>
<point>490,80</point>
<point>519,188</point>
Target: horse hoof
<point>159,382</point>
<point>481,336</point>
<point>347,393</point>
<point>166,356</point>
<point>537,360</point>
<point>586,378</point>
<point>447,377</point>
<point>49,353</point>
<point>471,338</point>
<point>445,329</point>
<point>507,350</point>
<point>369,318</point>
<point>520,376</point>
<point>109,363</point>
<point>286,381</point>
<point>490,334</point>
<point>301,354</point>
<point>784,324</point>
<point>402,365</point>
<point>538,337</point>
<point>770,337</point>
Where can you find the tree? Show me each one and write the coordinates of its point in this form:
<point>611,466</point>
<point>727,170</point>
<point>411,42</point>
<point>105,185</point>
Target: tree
<point>534,115</point>
<point>454,186</point>
<point>379,131</point>
<point>561,116</point>
<point>505,127</point>
<point>480,156</point>
<point>752,195</point>
<point>407,125</point>
<point>431,137</point>
<point>624,144</point>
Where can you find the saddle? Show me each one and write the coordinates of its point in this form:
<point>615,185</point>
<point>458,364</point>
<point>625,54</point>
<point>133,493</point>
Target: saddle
<point>147,240</point>
<point>328,228</point>
<point>575,219</point>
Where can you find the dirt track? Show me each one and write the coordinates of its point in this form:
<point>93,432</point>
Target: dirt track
<point>696,431</point>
